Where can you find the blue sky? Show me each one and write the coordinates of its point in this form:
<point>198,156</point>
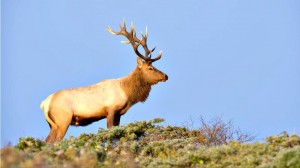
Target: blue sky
<point>235,59</point>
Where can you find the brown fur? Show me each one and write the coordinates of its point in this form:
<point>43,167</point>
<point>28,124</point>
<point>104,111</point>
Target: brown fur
<point>107,99</point>
<point>135,87</point>
<point>82,106</point>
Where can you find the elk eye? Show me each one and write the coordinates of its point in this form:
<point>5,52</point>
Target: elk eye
<point>150,68</point>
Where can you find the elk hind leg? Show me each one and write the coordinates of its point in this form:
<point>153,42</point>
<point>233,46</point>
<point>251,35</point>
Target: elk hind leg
<point>61,132</point>
<point>52,135</point>
<point>62,119</point>
<point>53,129</point>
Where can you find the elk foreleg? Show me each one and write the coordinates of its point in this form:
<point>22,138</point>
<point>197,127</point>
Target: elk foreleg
<point>113,119</point>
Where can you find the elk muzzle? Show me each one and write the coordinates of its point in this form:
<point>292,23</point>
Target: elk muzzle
<point>166,78</point>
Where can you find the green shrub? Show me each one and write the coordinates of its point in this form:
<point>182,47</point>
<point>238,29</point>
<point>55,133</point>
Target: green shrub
<point>288,158</point>
<point>30,144</point>
<point>148,144</point>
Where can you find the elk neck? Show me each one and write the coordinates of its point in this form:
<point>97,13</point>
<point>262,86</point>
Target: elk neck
<point>135,86</point>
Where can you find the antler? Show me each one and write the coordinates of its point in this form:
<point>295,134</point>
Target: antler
<point>136,42</point>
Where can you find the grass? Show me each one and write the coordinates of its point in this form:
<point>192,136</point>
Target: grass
<point>148,144</point>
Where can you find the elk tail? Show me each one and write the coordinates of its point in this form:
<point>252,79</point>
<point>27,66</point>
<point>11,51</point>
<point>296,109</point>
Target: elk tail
<point>45,107</point>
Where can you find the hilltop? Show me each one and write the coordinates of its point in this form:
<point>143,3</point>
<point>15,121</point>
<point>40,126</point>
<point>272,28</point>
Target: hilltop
<point>149,144</point>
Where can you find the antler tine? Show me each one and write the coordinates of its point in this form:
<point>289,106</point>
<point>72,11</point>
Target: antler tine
<point>136,42</point>
<point>158,57</point>
<point>111,31</point>
<point>144,44</point>
<point>133,30</point>
<point>146,33</point>
<point>153,49</point>
<point>124,22</point>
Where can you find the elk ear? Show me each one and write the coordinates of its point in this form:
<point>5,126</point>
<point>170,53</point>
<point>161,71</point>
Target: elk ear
<point>139,62</point>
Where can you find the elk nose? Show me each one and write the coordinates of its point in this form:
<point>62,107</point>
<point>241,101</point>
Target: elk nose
<point>166,77</point>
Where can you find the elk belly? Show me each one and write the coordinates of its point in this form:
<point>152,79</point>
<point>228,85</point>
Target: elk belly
<point>86,112</point>
<point>83,121</point>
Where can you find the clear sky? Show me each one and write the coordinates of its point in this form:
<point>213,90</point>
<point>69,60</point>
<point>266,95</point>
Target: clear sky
<point>235,59</point>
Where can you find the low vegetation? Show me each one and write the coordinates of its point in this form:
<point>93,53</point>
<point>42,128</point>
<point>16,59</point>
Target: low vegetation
<point>149,144</point>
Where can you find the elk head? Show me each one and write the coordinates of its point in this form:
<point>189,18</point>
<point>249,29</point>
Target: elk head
<point>144,62</point>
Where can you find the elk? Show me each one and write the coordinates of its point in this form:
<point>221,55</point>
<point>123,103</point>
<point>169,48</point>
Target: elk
<point>110,98</point>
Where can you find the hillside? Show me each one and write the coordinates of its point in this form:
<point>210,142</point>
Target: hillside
<point>148,144</point>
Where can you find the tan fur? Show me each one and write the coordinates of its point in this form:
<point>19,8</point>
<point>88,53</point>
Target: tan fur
<point>107,99</point>
<point>45,107</point>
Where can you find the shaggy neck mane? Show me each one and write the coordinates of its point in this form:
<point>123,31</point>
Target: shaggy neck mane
<point>135,87</point>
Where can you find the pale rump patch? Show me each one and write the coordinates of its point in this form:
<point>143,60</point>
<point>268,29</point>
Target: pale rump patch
<point>45,105</point>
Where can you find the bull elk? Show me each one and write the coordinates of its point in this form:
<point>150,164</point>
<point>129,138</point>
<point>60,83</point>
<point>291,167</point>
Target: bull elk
<point>109,98</point>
